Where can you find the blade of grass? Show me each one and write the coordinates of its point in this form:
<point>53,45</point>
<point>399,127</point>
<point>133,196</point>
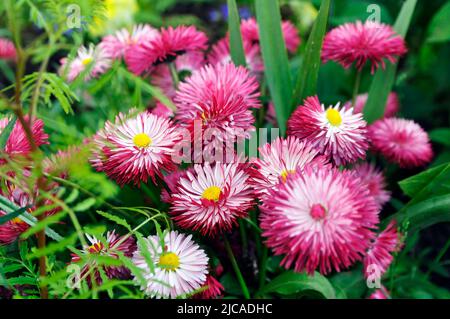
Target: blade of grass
<point>309,70</point>
<point>384,79</point>
<point>275,58</point>
<point>234,28</point>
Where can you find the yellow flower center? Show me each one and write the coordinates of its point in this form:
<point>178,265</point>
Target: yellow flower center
<point>212,193</point>
<point>142,140</point>
<point>334,117</point>
<point>169,261</point>
<point>285,173</point>
<point>95,248</point>
<point>86,61</point>
<point>17,220</point>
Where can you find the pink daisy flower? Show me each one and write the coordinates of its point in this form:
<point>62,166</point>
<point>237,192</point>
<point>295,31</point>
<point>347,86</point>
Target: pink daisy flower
<point>171,181</point>
<point>220,54</point>
<point>381,293</point>
<point>281,158</point>
<point>17,143</point>
<point>379,256</point>
<point>185,65</point>
<point>361,42</point>
<point>249,30</point>
<point>373,179</point>
<point>213,289</point>
<point>117,45</point>
<point>336,132</point>
<point>211,198</point>
<point>7,50</point>
<point>401,141</point>
<point>93,60</point>
<point>113,246</point>
<point>161,110</point>
<point>181,266</point>
<point>319,219</point>
<point>165,47</point>
<point>135,148</point>
<point>391,108</point>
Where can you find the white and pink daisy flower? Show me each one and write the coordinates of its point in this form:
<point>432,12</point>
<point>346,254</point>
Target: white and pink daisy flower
<point>281,158</point>
<point>7,50</point>
<point>336,132</point>
<point>112,247</point>
<point>135,148</point>
<point>180,265</point>
<point>374,180</point>
<point>211,198</point>
<point>401,141</point>
<point>392,105</point>
<point>250,33</point>
<point>362,42</point>
<point>165,47</point>
<point>379,256</point>
<point>92,61</point>
<point>321,219</point>
<point>117,45</point>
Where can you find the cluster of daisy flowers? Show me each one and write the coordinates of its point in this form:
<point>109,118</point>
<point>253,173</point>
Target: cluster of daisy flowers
<point>318,197</point>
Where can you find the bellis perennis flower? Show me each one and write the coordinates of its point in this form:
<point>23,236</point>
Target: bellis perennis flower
<point>181,265</point>
<point>373,179</point>
<point>335,132</point>
<point>321,219</point>
<point>7,49</point>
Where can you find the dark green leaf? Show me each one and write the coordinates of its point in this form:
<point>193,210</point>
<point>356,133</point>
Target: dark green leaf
<point>441,135</point>
<point>439,28</point>
<point>4,135</point>
<point>234,28</point>
<point>7,217</point>
<point>115,219</point>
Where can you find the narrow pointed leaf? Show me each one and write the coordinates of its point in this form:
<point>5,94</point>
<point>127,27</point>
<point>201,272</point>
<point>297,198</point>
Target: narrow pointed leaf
<point>234,28</point>
<point>4,135</point>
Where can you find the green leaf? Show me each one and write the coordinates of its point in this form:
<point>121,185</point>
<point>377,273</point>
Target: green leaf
<point>384,79</point>
<point>115,219</point>
<point>22,280</point>
<point>275,58</point>
<point>234,28</point>
<point>85,205</point>
<point>292,283</point>
<point>439,28</point>
<point>4,135</point>
<point>424,214</point>
<point>7,217</point>
<point>309,70</point>
<point>54,247</point>
<point>441,135</point>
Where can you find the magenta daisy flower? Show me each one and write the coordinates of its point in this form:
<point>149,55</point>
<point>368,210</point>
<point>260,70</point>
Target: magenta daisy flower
<point>135,148</point>
<point>165,47</point>
<point>381,293</point>
<point>17,143</point>
<point>211,198</point>
<point>161,110</point>
<point>249,30</point>
<point>281,158</point>
<point>7,49</point>
<point>171,181</point>
<point>401,141</point>
<point>336,132</point>
<point>220,54</point>
<point>319,219</point>
<point>361,42</point>
<point>185,65</point>
<point>373,179</point>
<point>112,247</point>
<point>180,265</point>
<point>391,108</point>
<point>117,45</point>
<point>379,256</point>
<point>213,289</point>
<point>93,61</point>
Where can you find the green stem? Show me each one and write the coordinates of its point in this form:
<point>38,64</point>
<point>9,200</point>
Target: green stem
<point>356,87</point>
<point>236,269</point>
<point>174,74</point>
<point>263,267</point>
<point>439,256</point>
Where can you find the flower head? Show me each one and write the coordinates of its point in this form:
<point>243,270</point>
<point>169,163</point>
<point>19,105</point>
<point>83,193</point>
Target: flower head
<point>361,42</point>
<point>135,148</point>
<point>401,141</point>
<point>165,47</point>
<point>281,158</point>
<point>381,293</point>
<point>180,268</point>
<point>211,198</point>
<point>93,61</point>
<point>112,247</point>
<point>250,33</point>
<point>391,108</point>
<point>212,289</point>
<point>319,219</point>
<point>336,132</point>
<point>7,49</point>
<point>373,179</point>
<point>379,255</point>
